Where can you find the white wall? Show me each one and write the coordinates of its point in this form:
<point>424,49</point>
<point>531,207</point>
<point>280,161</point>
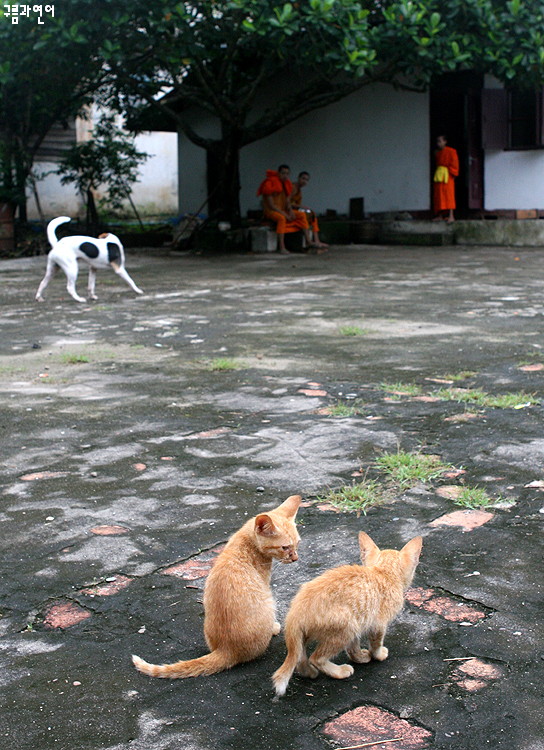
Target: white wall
<point>156,193</point>
<point>373,144</point>
<point>514,179</point>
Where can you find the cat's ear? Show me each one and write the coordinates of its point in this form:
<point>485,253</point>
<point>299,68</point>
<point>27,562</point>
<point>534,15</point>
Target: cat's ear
<point>290,506</point>
<point>410,553</point>
<point>264,525</point>
<point>369,550</point>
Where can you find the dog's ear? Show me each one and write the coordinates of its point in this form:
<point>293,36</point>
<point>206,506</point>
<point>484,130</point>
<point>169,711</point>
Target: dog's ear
<point>103,235</point>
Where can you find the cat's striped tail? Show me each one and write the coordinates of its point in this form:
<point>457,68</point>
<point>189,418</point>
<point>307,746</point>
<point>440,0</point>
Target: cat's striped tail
<point>216,661</point>
<point>294,640</point>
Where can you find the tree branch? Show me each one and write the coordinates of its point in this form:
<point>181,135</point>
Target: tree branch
<point>296,106</point>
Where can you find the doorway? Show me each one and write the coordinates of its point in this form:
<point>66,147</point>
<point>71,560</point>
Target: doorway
<point>455,111</point>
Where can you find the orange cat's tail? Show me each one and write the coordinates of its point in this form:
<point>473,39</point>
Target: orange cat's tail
<point>216,661</point>
<point>294,640</point>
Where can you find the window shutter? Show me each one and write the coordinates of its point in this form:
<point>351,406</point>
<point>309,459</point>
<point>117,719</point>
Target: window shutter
<point>540,110</point>
<point>494,119</point>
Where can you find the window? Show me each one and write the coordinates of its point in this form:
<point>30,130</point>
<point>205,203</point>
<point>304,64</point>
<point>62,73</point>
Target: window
<point>512,119</point>
<point>524,118</point>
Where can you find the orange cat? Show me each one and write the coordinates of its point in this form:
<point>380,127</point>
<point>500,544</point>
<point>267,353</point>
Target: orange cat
<point>239,608</point>
<point>339,607</point>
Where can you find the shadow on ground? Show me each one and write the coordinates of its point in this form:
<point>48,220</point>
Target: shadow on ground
<point>131,452</point>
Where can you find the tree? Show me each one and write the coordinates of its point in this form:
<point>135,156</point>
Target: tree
<point>48,73</point>
<point>109,160</point>
<point>254,66</point>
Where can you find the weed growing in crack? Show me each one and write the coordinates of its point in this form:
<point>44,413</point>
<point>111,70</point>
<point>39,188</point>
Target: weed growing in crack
<point>341,409</point>
<point>407,469</point>
<point>456,377</point>
<point>74,359</point>
<point>356,497</point>
<point>402,389</point>
<point>531,358</point>
<point>352,331</point>
<point>480,398</point>
<point>223,363</point>
<point>474,497</point>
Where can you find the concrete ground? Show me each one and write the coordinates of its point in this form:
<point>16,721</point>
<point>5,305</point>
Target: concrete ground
<point>129,456</point>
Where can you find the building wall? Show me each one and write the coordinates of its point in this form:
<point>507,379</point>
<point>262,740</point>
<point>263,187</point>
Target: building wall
<point>514,179</point>
<point>373,144</point>
<point>156,193</point>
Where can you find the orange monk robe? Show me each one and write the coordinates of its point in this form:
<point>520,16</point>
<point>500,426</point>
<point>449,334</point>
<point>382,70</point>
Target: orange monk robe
<point>444,192</point>
<point>279,191</point>
<point>296,200</point>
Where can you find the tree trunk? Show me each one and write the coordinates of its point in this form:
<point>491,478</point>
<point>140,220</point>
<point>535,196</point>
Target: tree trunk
<point>91,219</point>
<point>223,177</point>
<point>21,177</point>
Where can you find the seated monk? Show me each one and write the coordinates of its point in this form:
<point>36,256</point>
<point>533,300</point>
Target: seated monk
<point>276,190</point>
<point>296,202</point>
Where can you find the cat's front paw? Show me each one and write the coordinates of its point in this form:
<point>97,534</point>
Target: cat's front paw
<point>343,671</point>
<point>380,654</point>
<point>276,628</point>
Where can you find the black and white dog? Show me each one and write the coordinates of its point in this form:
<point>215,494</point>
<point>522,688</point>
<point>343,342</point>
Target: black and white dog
<point>105,251</point>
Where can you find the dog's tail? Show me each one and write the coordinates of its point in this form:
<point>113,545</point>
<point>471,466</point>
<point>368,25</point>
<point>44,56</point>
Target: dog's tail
<point>51,227</point>
<point>294,640</point>
<point>211,663</point>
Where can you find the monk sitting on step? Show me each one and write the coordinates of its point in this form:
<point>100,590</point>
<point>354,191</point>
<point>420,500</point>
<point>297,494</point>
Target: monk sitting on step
<point>275,191</point>
<point>296,201</point>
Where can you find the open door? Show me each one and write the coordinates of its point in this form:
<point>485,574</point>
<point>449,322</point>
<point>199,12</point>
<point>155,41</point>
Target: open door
<point>455,111</point>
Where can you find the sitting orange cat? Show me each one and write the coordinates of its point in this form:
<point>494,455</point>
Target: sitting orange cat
<point>239,608</point>
<point>337,608</point>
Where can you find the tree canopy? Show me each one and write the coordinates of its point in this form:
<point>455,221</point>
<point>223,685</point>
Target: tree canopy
<point>252,66</point>
<point>48,73</point>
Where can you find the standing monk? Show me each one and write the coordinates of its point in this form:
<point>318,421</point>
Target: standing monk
<point>276,191</point>
<point>296,201</point>
<point>447,169</point>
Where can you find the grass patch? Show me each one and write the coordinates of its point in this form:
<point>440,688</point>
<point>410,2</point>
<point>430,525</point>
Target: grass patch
<point>11,370</point>
<point>480,398</point>
<point>224,363</point>
<point>402,389</point>
<point>457,377</point>
<point>74,359</point>
<point>356,497</point>
<point>532,357</point>
<point>407,469</point>
<point>352,331</point>
<point>341,409</point>
<point>474,497</point>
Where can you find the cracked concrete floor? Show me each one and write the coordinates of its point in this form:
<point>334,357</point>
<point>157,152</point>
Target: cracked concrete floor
<point>128,458</point>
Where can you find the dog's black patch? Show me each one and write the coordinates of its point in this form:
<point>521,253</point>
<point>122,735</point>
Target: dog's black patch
<point>90,249</point>
<point>114,252</point>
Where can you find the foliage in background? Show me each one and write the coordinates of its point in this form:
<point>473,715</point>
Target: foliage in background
<point>108,161</point>
<point>48,73</point>
<point>254,66</point>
